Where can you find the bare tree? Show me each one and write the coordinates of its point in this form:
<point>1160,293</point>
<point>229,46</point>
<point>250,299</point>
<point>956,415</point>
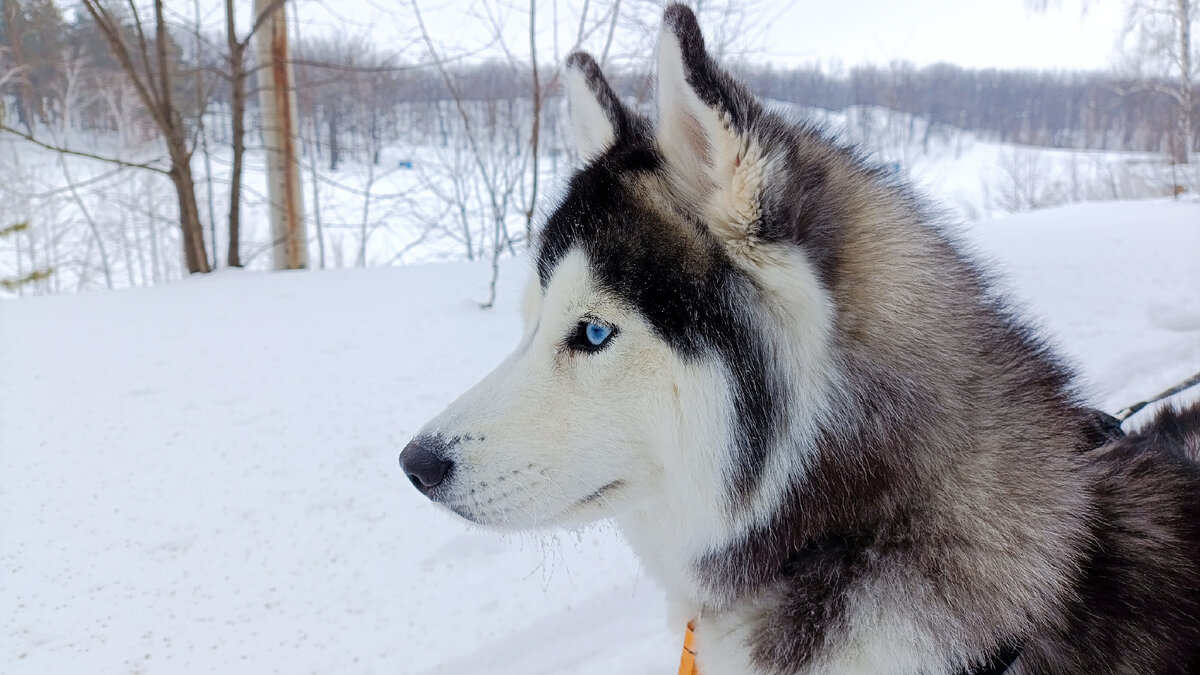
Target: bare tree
<point>1025,182</point>
<point>237,83</point>
<point>151,76</point>
<point>535,134</point>
<point>33,33</point>
<point>1161,36</point>
<point>201,103</point>
<point>496,175</point>
<point>238,76</point>
<point>69,95</point>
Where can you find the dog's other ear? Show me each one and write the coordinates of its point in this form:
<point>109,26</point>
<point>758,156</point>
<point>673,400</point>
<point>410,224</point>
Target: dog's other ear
<point>598,118</point>
<point>705,122</point>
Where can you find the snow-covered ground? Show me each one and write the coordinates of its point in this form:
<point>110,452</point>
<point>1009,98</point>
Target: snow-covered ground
<point>407,208</point>
<point>201,477</point>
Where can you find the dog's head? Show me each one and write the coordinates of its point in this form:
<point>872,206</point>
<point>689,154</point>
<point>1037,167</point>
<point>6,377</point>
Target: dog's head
<point>667,327</point>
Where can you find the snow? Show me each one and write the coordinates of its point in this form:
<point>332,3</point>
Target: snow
<point>979,178</point>
<point>412,215</point>
<point>1115,284</point>
<point>202,476</point>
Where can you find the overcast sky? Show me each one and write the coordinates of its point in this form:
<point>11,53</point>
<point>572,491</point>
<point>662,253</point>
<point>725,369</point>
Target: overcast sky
<point>974,33</point>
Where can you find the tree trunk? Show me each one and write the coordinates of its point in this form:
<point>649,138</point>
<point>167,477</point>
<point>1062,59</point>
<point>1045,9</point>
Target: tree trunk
<point>157,266</point>
<point>277,99</point>
<point>316,194</point>
<point>237,72</point>
<point>28,104</point>
<point>202,133</point>
<point>194,253</point>
<point>1185,83</point>
<point>153,87</point>
<point>537,121</point>
<point>334,150</point>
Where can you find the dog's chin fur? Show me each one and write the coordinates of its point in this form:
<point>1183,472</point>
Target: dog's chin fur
<point>592,509</point>
<point>813,420</point>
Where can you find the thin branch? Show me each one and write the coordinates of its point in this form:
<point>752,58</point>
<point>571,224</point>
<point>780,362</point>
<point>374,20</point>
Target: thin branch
<point>112,34</point>
<point>385,68</point>
<point>411,245</point>
<point>12,74</point>
<point>143,48</point>
<point>57,191</point>
<point>262,19</point>
<point>612,28</point>
<point>164,67</point>
<point>582,26</point>
<point>78,153</point>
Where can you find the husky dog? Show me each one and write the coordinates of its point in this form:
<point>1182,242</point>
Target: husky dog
<point>816,424</point>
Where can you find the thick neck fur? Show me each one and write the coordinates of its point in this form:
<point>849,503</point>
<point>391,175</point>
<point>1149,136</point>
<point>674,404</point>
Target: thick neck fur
<point>938,452</point>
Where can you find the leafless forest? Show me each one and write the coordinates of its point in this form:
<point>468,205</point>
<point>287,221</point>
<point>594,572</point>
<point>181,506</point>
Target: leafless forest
<point>134,144</point>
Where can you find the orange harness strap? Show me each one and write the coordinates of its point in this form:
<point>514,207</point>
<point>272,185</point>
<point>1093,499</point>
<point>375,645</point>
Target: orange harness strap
<point>997,662</point>
<point>687,662</point>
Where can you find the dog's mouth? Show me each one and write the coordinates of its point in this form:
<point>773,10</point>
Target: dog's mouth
<point>512,515</point>
<point>600,494</point>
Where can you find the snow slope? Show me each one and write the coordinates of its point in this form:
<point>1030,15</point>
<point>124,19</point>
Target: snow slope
<point>201,477</point>
<point>412,214</point>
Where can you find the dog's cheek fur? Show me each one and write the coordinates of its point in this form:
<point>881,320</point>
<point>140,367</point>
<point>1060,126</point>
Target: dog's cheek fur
<point>550,426</point>
<point>796,315</point>
<point>691,496</point>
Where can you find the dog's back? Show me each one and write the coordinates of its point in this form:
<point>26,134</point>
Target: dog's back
<point>1138,598</point>
<point>1174,431</point>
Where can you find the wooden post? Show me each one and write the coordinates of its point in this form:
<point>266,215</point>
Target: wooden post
<point>277,99</point>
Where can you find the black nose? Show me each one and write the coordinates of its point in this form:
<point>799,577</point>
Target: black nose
<point>424,464</point>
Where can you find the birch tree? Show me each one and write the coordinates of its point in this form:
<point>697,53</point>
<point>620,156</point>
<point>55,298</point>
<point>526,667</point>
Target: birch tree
<point>1159,33</point>
<point>277,100</point>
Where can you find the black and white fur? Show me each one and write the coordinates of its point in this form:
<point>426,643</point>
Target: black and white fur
<point>815,423</point>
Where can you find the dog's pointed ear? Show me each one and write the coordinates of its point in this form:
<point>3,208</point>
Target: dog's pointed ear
<point>705,122</point>
<point>598,118</point>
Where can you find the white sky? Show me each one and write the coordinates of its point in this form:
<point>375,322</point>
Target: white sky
<point>973,33</point>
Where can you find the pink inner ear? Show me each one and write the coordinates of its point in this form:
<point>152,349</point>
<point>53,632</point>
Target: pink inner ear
<point>694,132</point>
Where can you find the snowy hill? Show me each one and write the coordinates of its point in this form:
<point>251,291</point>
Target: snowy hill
<point>96,227</point>
<point>201,477</point>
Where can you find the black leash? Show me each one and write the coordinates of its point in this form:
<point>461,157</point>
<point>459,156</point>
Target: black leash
<point>1129,411</point>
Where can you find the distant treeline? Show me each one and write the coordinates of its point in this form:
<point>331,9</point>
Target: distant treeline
<point>354,94</point>
<point>1080,110</point>
<point>1057,109</point>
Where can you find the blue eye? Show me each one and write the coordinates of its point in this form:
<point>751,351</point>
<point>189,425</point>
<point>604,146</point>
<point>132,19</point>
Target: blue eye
<point>591,336</point>
<point>597,333</point>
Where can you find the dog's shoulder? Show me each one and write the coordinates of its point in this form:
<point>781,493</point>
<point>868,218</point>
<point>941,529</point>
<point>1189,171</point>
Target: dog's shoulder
<point>1137,600</point>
